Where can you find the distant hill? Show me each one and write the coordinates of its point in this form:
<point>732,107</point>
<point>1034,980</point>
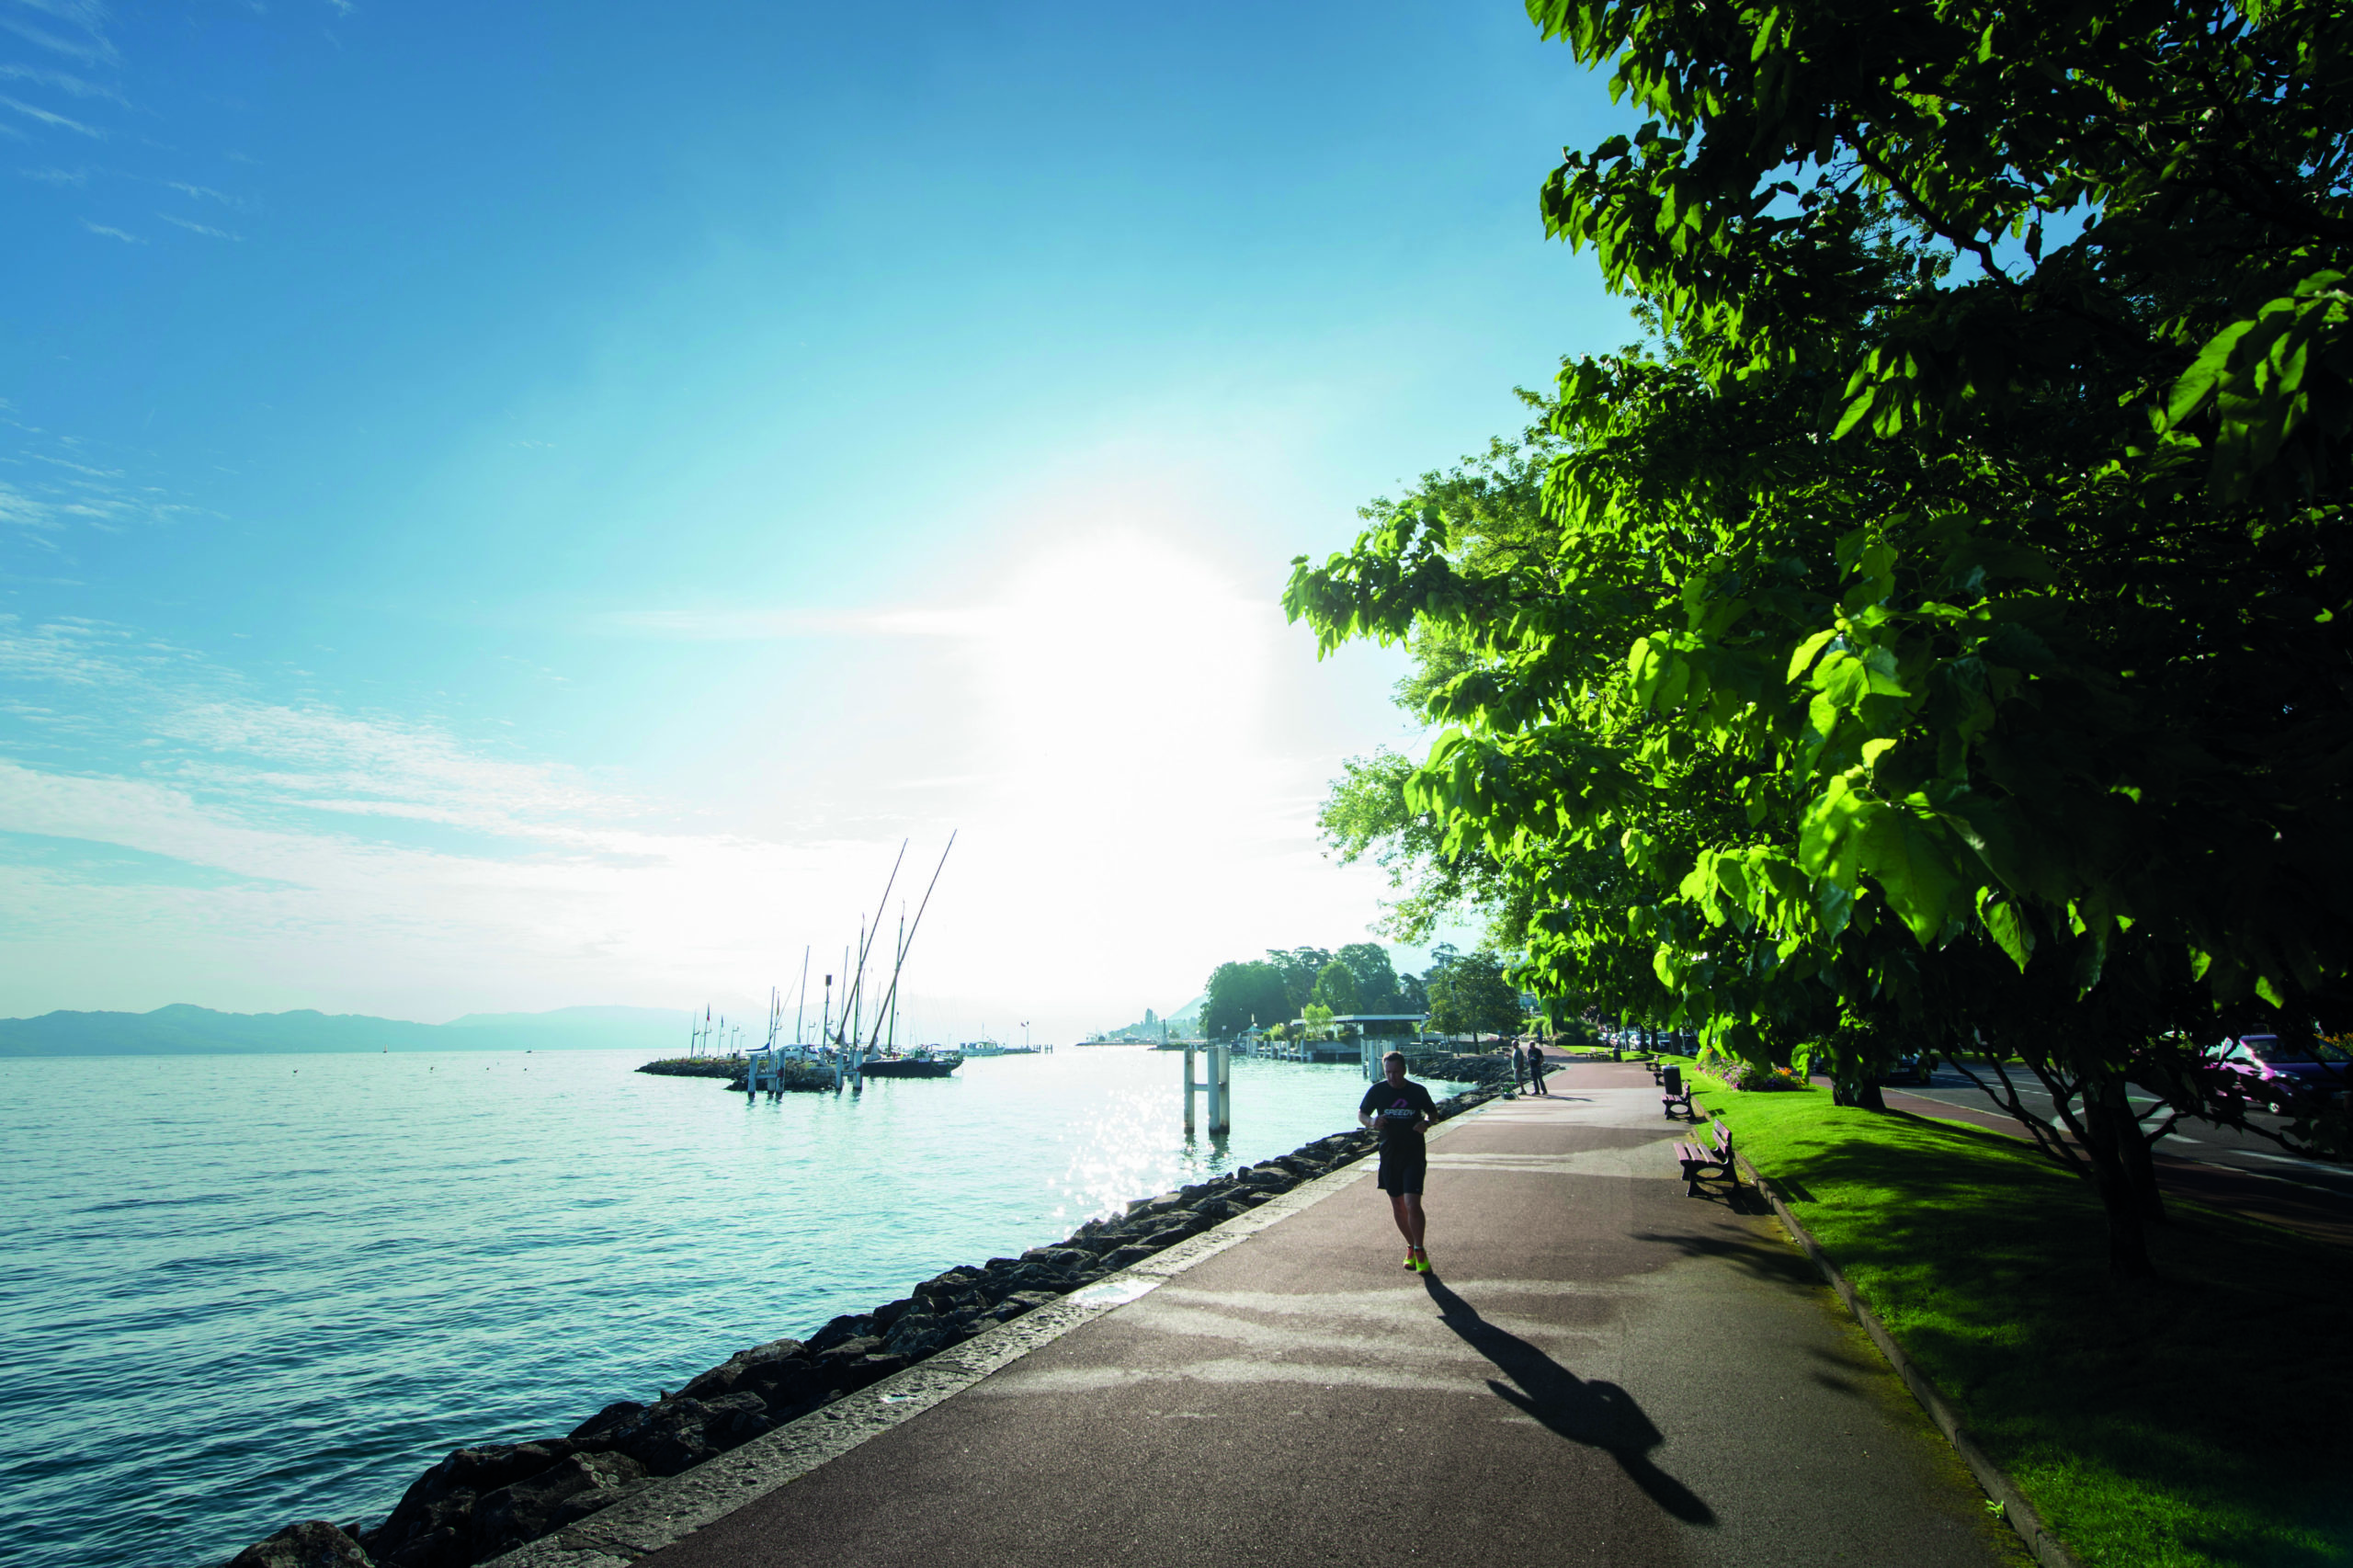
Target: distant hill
<point>180,1029</point>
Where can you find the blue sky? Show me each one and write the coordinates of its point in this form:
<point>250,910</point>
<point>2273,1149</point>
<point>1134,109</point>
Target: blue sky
<point>507,507</point>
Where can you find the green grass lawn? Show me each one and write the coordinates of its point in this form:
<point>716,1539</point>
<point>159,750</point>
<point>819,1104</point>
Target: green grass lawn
<point>2199,1420</point>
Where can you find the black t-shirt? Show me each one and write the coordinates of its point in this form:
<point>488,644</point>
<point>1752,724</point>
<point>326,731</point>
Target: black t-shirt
<point>1393,1107</point>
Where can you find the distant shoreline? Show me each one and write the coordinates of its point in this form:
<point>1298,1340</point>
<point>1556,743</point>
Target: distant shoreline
<point>181,1029</point>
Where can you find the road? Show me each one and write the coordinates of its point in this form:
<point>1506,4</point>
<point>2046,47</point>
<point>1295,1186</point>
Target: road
<point>2216,1164</point>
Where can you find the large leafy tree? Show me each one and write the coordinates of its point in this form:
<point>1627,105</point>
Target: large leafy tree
<point>1375,976</point>
<point>1240,994</point>
<point>1940,632</point>
<point>1336,989</point>
<point>1300,968</point>
<point>1472,997</point>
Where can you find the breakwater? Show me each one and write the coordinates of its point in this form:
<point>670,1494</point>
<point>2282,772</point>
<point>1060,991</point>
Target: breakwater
<point>482,1500</point>
<point>696,1067</point>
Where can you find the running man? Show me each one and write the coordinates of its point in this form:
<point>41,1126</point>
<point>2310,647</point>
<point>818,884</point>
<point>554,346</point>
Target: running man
<point>1400,1110</point>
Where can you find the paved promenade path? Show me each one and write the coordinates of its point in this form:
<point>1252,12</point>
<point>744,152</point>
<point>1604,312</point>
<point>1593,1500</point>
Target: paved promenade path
<point>1601,1371</point>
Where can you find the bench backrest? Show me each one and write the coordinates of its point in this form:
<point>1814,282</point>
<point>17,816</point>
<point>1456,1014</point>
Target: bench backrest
<point>1724,1137</point>
<point>1673,1079</point>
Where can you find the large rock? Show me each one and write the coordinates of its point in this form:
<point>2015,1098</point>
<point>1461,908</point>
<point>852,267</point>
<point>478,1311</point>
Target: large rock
<point>432,1525</point>
<point>1021,1301</point>
<point>679,1433</point>
<point>597,1430</point>
<point>1066,1258</point>
<point>572,1489</point>
<point>850,1350</point>
<point>850,1326</point>
<point>314,1544</point>
<point>917,1334</point>
<point>743,1366</point>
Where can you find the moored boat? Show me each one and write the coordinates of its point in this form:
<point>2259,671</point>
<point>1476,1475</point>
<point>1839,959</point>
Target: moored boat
<point>918,1065</point>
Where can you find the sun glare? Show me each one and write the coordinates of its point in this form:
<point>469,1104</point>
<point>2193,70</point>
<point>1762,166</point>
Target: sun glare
<point>1121,649</point>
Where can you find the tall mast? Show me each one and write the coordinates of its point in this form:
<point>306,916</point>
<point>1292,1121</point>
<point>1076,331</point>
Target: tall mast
<point>909,940</point>
<point>865,940</point>
<point>899,958</point>
<point>800,1009</point>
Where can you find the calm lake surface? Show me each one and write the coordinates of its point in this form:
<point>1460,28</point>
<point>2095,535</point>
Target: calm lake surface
<point>242,1291</point>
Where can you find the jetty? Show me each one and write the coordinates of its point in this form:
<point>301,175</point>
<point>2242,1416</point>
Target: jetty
<point>1599,1369</point>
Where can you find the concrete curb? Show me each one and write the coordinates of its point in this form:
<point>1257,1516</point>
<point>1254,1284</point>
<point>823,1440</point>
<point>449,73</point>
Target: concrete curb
<point>2016,1511</point>
<point>677,1505</point>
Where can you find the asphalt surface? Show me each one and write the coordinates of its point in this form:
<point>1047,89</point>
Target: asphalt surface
<point>1601,1371</point>
<point>2219,1165</point>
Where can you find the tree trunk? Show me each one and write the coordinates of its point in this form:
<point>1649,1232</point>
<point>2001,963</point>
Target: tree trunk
<point>2142,1170</point>
<point>2109,1118</point>
<point>2110,1132</point>
<point>1868,1095</point>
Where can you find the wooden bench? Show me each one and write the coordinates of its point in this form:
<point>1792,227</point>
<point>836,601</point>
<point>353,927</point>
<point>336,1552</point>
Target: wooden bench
<point>1718,1153</point>
<point>1677,1094</point>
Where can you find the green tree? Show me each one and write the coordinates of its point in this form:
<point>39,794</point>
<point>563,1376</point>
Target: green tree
<point>1336,988</point>
<point>1933,634</point>
<point>1471,996</point>
<point>1240,993</point>
<point>1299,967</point>
<point>1375,976</point>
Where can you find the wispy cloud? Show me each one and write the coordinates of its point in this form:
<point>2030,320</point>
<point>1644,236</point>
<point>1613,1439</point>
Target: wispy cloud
<point>373,833</point>
<point>57,176</point>
<point>205,229</point>
<point>83,16</point>
<point>49,118</point>
<point>111,232</point>
<point>65,81</point>
<point>202,193</point>
<point>59,483</point>
<point>21,510</point>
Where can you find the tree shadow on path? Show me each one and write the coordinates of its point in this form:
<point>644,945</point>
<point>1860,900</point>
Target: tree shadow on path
<point>1597,1414</point>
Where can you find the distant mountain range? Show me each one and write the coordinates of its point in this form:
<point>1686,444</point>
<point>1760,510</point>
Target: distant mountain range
<point>182,1031</point>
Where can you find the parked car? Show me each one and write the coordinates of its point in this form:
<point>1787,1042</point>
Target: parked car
<point>2313,1067</point>
<point>1912,1067</point>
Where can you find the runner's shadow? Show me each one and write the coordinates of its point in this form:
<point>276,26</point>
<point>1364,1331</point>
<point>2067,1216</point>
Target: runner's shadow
<point>1598,1415</point>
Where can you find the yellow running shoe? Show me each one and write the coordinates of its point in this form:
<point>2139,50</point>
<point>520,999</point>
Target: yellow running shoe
<point>1409,1259</point>
<point>1421,1260</point>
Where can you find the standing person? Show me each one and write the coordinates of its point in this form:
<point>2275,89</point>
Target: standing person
<point>1518,1067</point>
<point>1535,1069</point>
<point>1400,1110</point>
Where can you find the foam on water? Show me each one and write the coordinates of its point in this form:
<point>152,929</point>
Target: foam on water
<point>242,1291</point>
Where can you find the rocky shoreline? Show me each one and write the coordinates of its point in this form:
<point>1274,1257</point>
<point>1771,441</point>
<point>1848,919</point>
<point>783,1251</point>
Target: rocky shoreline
<point>487,1499</point>
<point>696,1067</point>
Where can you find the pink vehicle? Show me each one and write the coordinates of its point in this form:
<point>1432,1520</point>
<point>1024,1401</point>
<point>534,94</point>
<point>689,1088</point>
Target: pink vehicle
<point>2287,1067</point>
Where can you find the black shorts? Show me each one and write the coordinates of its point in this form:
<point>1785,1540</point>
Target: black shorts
<point>1402,1170</point>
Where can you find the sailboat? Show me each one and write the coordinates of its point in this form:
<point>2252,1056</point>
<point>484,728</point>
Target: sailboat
<point>921,1063</point>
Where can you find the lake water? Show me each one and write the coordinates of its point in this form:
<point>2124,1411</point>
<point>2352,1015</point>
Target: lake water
<point>242,1291</point>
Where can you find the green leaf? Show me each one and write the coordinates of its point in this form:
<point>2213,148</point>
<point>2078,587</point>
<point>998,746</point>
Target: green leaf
<point>2007,926</point>
<point>1801,661</point>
